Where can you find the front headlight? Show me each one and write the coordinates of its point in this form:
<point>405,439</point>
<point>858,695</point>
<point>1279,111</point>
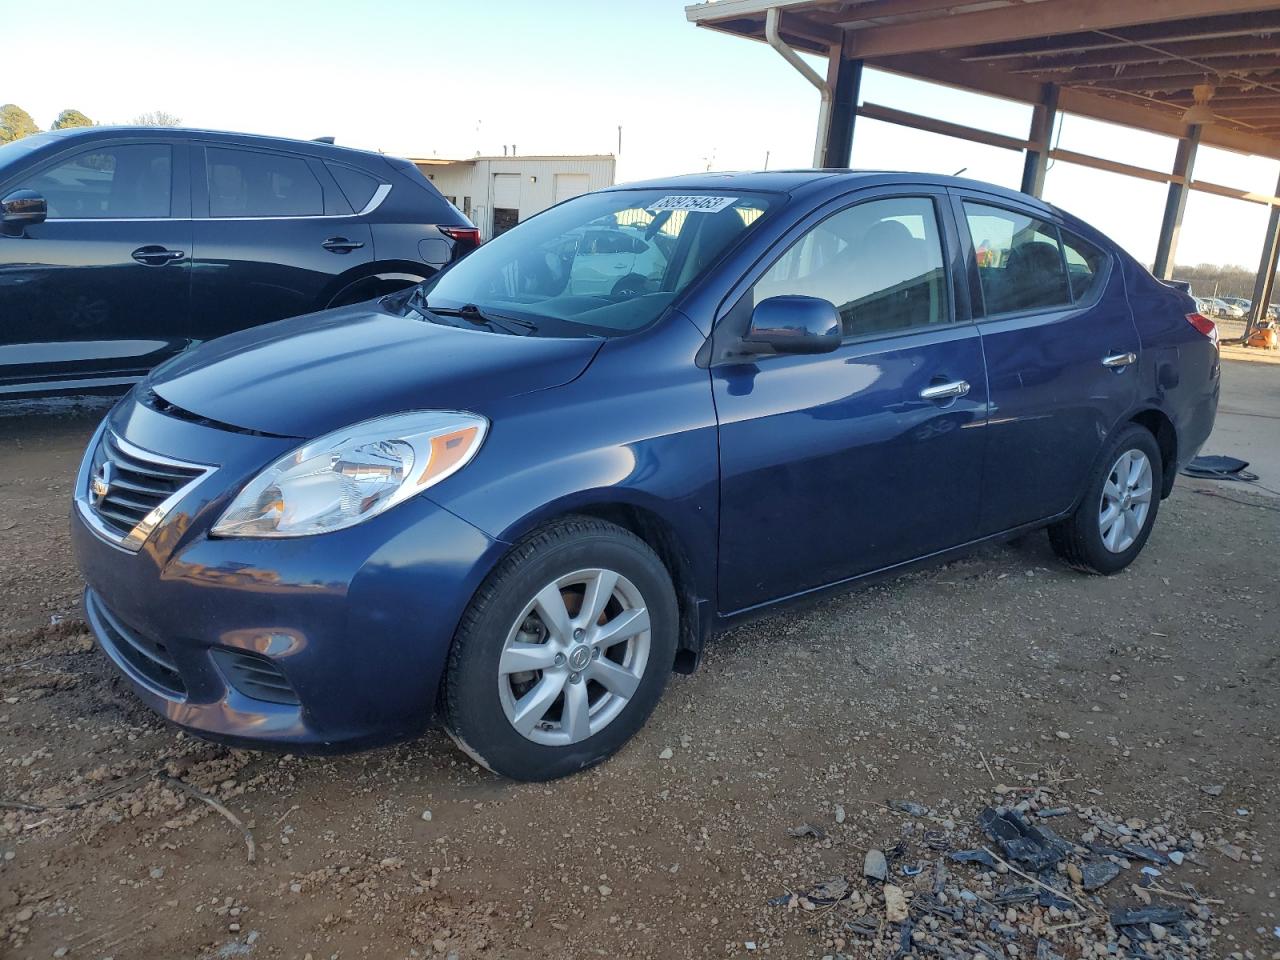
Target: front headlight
<point>352,474</point>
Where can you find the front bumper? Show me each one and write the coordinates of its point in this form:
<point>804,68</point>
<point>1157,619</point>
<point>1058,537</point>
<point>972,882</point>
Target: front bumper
<point>329,642</point>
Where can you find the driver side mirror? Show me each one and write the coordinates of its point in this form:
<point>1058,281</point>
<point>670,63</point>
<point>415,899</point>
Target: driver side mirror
<point>795,324</point>
<point>22,208</point>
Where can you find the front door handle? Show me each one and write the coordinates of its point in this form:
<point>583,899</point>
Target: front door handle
<point>1118,361</point>
<point>341,245</point>
<point>945,391</point>
<point>154,255</point>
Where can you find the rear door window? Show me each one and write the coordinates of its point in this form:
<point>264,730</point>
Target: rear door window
<point>1020,260</point>
<point>123,182</point>
<point>1086,266</point>
<point>356,186</point>
<point>250,183</point>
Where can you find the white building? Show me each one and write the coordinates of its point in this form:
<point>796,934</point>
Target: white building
<point>496,193</point>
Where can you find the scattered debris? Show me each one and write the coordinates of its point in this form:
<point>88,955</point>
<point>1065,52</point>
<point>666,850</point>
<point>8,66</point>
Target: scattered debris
<point>1096,874</point>
<point>221,808</point>
<point>1038,897</point>
<point>895,904</point>
<point>909,806</point>
<point>807,830</point>
<point>875,865</point>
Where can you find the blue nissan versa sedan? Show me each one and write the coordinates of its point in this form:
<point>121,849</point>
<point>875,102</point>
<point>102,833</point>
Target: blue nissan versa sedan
<point>518,508</point>
<point>122,246</point>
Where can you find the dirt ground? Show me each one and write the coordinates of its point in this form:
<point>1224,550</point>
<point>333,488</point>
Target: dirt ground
<point>1000,676</point>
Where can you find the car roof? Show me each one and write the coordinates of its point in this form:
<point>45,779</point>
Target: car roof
<point>831,180</point>
<point>197,133</point>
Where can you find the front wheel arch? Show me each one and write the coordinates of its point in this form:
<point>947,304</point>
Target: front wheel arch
<point>661,535</point>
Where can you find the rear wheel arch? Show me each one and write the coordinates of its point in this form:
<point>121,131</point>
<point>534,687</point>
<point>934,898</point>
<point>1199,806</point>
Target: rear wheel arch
<point>1158,424</point>
<point>374,280</point>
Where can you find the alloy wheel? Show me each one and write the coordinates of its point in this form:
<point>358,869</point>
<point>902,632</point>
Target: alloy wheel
<point>1126,501</point>
<point>574,657</point>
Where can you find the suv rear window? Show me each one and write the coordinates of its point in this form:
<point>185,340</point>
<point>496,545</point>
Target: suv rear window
<point>356,186</point>
<point>248,183</point>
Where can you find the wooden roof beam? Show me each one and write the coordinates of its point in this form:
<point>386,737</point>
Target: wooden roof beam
<point>1126,109</point>
<point>1231,66</point>
<point>1125,56</point>
<point>1184,81</point>
<point>1027,21</point>
<point>1192,29</point>
<point>871,10</point>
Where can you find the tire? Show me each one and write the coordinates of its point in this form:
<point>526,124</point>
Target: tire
<point>501,670</point>
<point>1088,540</point>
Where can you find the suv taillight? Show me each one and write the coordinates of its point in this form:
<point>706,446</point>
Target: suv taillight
<point>1204,325</point>
<point>469,235</point>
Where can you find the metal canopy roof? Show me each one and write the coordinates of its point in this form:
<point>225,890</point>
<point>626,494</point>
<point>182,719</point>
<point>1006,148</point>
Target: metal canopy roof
<point>1133,62</point>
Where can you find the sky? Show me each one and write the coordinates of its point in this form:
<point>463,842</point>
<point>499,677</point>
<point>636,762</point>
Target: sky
<point>440,78</point>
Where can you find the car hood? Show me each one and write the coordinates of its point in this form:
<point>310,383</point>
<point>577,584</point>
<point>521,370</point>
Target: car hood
<point>311,374</point>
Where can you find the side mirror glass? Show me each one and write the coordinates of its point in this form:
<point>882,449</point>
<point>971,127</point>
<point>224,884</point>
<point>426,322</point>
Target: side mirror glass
<point>23,207</point>
<point>794,324</point>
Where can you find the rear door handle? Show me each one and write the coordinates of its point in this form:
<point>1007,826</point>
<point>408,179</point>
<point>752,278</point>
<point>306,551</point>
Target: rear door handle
<point>341,245</point>
<point>1118,361</point>
<point>154,255</point>
<point>945,391</point>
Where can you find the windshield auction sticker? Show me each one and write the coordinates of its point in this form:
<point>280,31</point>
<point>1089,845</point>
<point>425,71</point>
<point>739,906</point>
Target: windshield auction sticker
<point>698,203</point>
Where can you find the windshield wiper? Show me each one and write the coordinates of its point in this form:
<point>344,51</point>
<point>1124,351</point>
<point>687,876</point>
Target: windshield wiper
<point>482,318</point>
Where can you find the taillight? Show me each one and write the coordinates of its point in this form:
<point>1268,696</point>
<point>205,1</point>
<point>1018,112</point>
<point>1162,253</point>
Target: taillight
<point>1204,325</point>
<point>470,235</point>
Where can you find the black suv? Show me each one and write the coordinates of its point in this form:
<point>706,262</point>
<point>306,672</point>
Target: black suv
<point>121,246</point>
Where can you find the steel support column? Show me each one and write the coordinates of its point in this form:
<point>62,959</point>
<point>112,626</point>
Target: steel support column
<point>1262,285</point>
<point>1176,204</point>
<point>845,84</point>
<point>1036,163</point>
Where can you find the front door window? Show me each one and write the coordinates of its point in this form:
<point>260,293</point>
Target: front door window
<point>125,182</point>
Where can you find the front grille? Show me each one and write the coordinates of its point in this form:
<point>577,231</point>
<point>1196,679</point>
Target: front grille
<point>136,483</point>
<point>147,658</point>
<point>255,676</point>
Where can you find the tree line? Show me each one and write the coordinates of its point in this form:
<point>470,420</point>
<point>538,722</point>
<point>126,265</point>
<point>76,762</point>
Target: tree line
<point>1210,280</point>
<point>16,123</point>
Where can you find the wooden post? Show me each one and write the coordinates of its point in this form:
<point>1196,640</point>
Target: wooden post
<point>844,109</point>
<point>1176,203</point>
<point>1036,163</point>
<point>1262,285</point>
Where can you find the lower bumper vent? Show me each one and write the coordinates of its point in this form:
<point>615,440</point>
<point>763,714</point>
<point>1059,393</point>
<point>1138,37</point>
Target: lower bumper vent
<point>148,659</point>
<point>255,676</point>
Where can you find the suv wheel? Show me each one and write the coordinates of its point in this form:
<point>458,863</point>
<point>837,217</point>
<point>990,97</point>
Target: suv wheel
<point>563,653</point>
<point>1111,525</point>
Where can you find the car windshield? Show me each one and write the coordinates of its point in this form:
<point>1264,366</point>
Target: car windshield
<point>603,264</point>
<point>11,151</point>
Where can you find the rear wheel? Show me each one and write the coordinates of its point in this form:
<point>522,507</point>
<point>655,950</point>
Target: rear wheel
<point>1111,525</point>
<point>563,653</point>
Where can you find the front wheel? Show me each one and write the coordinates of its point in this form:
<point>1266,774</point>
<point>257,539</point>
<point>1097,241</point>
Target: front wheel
<point>1111,525</point>
<point>563,653</point>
